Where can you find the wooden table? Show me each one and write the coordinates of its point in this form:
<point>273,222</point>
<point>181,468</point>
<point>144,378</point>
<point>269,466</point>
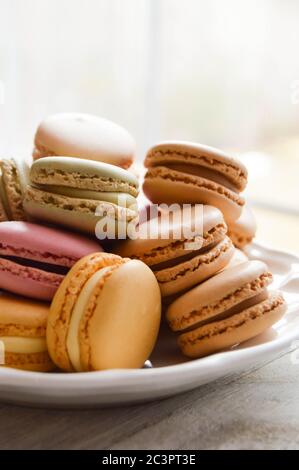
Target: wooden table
<point>256,409</point>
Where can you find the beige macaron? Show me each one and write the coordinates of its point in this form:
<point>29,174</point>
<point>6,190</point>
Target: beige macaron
<point>84,136</point>
<point>23,334</point>
<point>186,172</point>
<point>227,309</point>
<point>105,315</point>
<point>182,248</point>
<point>243,230</point>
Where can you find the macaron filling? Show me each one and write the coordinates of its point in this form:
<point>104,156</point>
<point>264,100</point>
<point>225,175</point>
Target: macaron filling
<point>52,268</point>
<point>230,312</point>
<point>24,345</point>
<point>207,256</point>
<point>73,341</point>
<point>198,155</point>
<point>170,263</point>
<point>206,173</point>
<point>176,249</point>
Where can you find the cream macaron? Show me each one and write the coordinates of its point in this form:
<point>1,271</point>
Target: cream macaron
<point>105,315</point>
<point>84,136</point>
<point>186,172</point>
<point>231,307</point>
<point>23,334</point>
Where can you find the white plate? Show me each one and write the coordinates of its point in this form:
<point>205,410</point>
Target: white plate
<point>171,373</point>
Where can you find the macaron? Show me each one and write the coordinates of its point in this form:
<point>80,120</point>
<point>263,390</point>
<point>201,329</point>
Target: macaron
<point>105,315</point>
<point>183,249</point>
<point>231,307</point>
<point>84,136</point>
<point>243,230</point>
<point>23,334</point>
<point>34,259</point>
<point>186,172</point>
<point>14,177</point>
<point>79,194</point>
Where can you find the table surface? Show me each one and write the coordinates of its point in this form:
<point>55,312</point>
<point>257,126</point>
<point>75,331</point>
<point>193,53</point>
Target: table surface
<point>258,409</point>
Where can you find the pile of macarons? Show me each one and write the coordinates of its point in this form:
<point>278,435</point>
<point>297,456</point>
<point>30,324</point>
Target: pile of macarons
<point>72,301</point>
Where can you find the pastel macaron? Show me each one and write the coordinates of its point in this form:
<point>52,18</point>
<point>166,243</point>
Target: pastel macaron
<point>242,231</point>
<point>14,177</point>
<point>186,172</point>
<point>23,325</point>
<point>84,136</point>
<point>230,308</point>
<point>34,259</point>
<point>78,194</point>
<point>183,249</point>
<point>105,315</point>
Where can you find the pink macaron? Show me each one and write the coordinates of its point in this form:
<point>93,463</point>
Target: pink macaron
<point>34,258</point>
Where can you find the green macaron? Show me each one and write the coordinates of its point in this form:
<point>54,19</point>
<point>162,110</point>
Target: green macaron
<point>79,193</point>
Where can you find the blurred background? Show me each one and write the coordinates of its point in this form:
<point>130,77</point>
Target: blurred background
<point>222,73</point>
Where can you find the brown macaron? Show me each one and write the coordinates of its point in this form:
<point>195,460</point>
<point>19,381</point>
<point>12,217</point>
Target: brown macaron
<point>243,230</point>
<point>186,172</point>
<point>183,248</point>
<point>227,309</point>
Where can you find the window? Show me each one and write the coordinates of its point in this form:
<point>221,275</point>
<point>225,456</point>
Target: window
<point>222,73</point>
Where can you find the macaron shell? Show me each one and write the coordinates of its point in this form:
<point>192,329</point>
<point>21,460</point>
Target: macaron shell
<point>45,244</point>
<point>64,301</point>
<point>22,317</point>
<point>83,174</point>
<point>123,327</point>
<point>15,176</point>
<point>117,198</point>
<point>170,186</point>
<point>84,136</point>
<point>217,336</point>
<point>163,244</point>
<point>27,281</point>
<point>187,274</point>
<point>37,362</point>
<point>194,154</point>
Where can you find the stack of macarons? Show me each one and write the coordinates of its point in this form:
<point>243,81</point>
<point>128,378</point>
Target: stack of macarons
<point>33,262</point>
<point>185,172</point>
<point>66,304</point>
<point>214,297</point>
